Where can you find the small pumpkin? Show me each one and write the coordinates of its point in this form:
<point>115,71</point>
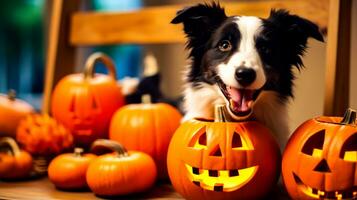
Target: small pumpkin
<point>146,127</point>
<point>12,111</point>
<point>68,171</point>
<point>14,162</point>
<point>85,102</point>
<point>223,160</point>
<point>42,135</point>
<point>320,159</point>
<point>121,172</point>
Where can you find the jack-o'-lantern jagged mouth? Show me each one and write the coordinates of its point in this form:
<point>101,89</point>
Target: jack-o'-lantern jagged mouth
<point>320,194</point>
<point>221,180</point>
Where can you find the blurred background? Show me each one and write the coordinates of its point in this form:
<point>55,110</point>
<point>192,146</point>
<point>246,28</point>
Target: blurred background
<point>23,33</point>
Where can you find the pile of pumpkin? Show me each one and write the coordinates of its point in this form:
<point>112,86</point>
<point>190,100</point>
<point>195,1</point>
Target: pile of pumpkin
<point>86,107</point>
<point>204,158</point>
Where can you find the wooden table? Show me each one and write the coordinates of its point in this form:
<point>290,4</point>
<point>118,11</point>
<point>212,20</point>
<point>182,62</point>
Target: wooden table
<point>43,189</point>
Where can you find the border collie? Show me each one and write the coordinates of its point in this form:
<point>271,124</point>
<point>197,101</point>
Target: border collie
<point>245,62</point>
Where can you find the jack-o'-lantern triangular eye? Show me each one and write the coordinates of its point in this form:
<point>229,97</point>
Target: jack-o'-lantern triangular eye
<point>314,145</point>
<point>202,140</point>
<point>236,140</point>
<point>199,140</point>
<point>349,149</point>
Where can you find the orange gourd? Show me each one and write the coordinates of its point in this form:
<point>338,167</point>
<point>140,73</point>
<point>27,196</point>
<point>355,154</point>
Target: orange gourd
<point>85,103</point>
<point>12,111</point>
<point>146,127</point>
<point>121,172</point>
<point>14,163</point>
<point>68,171</point>
<point>320,159</point>
<point>223,160</point>
<point>42,135</point>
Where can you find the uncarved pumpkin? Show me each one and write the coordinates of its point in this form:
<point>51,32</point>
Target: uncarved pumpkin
<point>121,172</point>
<point>12,111</point>
<point>320,159</point>
<point>146,127</point>
<point>85,102</point>
<point>41,135</point>
<point>68,171</point>
<point>223,160</point>
<point>14,162</point>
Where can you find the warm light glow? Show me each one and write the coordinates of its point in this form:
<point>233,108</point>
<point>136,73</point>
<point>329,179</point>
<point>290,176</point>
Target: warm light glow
<point>245,145</point>
<point>350,156</point>
<point>320,194</point>
<point>197,145</point>
<point>317,153</point>
<point>229,183</point>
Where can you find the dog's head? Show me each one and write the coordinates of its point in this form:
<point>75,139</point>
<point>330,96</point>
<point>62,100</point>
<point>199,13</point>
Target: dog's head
<point>244,55</point>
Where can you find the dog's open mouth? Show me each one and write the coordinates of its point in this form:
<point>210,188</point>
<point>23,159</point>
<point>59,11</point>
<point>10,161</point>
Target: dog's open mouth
<point>240,100</point>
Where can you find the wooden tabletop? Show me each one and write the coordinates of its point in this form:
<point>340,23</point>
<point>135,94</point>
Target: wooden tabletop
<point>43,189</point>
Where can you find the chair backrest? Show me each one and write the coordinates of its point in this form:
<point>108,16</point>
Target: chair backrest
<point>71,28</point>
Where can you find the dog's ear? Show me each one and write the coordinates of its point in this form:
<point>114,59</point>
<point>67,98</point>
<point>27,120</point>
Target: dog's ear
<point>294,25</point>
<point>200,21</point>
<point>292,31</point>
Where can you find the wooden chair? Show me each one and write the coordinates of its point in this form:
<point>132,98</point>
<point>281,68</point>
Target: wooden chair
<point>70,28</point>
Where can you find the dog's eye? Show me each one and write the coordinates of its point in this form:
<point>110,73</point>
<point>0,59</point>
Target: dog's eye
<point>225,45</point>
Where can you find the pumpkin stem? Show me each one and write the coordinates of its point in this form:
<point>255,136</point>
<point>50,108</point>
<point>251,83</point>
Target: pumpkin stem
<point>78,152</point>
<point>90,64</point>
<point>9,142</point>
<point>146,99</point>
<point>349,118</point>
<point>220,114</point>
<point>11,95</point>
<point>102,146</point>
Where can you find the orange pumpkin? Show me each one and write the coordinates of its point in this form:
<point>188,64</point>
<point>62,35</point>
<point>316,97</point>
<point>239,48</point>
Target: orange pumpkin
<point>68,171</point>
<point>223,160</point>
<point>14,163</point>
<point>320,159</point>
<point>86,102</point>
<point>120,172</point>
<point>42,135</point>
<point>146,127</point>
<point>12,110</point>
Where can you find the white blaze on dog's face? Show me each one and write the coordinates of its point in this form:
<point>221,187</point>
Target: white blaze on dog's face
<point>246,61</point>
<point>243,55</point>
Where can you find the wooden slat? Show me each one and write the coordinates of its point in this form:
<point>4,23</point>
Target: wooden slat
<point>152,25</point>
<point>60,55</point>
<point>338,58</point>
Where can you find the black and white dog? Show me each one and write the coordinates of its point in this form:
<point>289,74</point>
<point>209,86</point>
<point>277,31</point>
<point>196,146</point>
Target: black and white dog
<point>245,62</point>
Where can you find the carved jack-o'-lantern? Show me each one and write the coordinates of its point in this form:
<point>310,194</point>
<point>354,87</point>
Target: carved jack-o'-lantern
<point>86,102</point>
<point>223,160</point>
<point>320,159</point>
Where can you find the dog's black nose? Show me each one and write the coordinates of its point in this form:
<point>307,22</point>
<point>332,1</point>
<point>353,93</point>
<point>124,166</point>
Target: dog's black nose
<point>245,76</point>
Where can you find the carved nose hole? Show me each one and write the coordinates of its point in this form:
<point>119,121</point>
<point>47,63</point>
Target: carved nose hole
<point>94,104</point>
<point>322,166</point>
<point>72,106</point>
<point>216,152</point>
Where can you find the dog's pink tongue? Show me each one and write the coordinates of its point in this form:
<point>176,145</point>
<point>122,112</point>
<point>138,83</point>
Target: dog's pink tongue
<point>241,99</point>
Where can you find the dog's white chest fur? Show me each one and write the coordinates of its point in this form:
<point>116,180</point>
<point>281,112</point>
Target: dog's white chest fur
<point>199,103</point>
